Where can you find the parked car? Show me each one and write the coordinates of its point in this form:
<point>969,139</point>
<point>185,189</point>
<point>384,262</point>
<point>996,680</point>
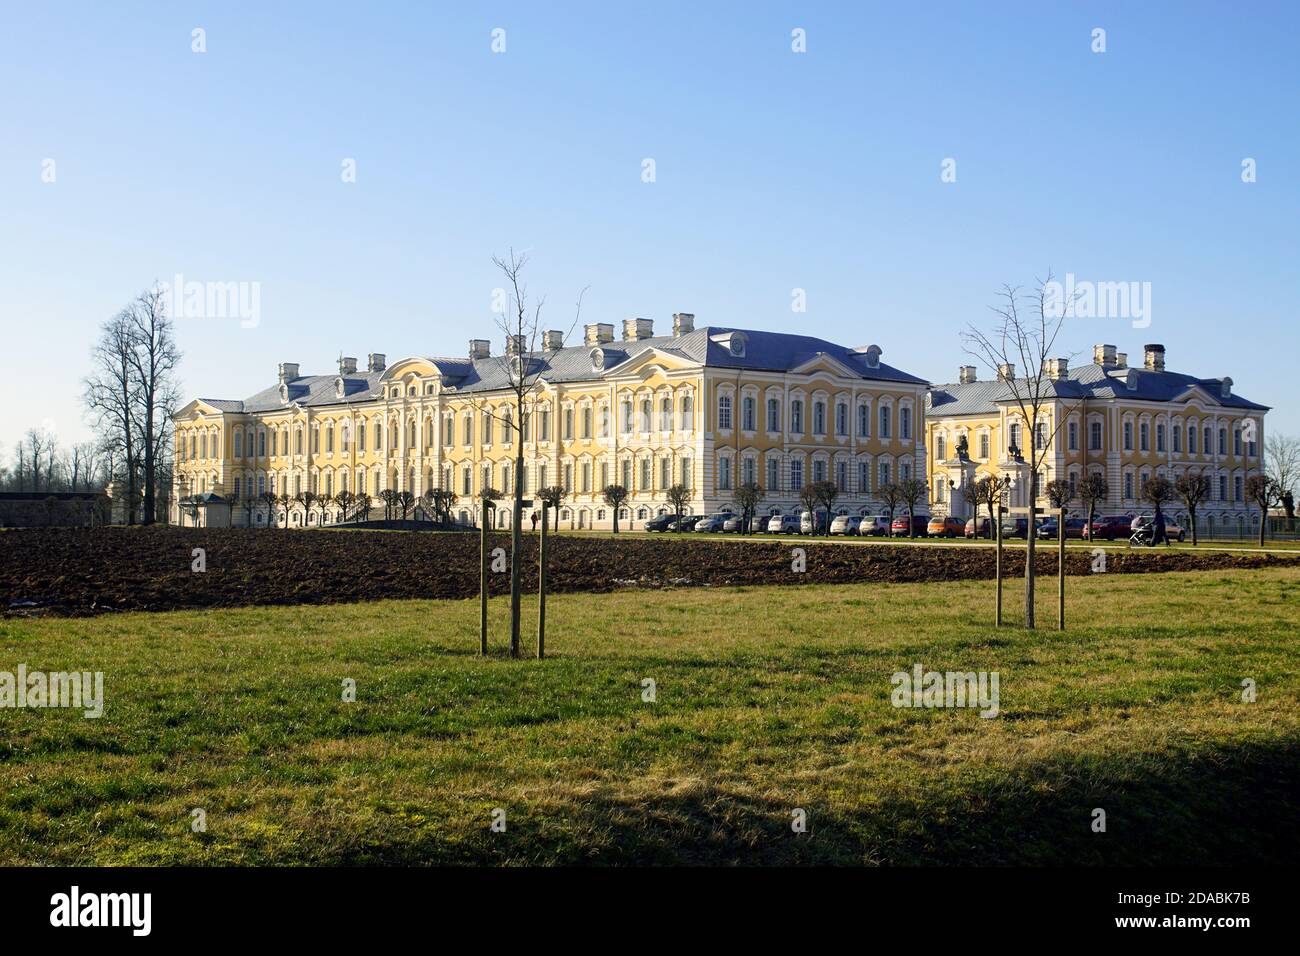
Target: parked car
<point>687,523</point>
<point>1015,527</point>
<point>812,522</point>
<point>846,524</point>
<point>660,522</point>
<point>979,527</point>
<point>919,524</point>
<point>945,527</point>
<point>783,524</point>
<point>735,524</point>
<point>1073,528</point>
<point>1173,529</point>
<point>875,526</point>
<point>713,522</point>
<point>1109,527</point>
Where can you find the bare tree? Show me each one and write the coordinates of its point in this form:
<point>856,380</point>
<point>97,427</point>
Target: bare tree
<point>810,498</point>
<point>748,495</point>
<point>111,397</point>
<point>1024,337</point>
<point>679,497</point>
<point>891,496</point>
<point>1192,489</point>
<point>1093,490</point>
<point>911,492</point>
<point>1265,492</point>
<point>1282,464</point>
<point>153,358</point>
<point>615,496</point>
<point>522,366</point>
<point>827,493</point>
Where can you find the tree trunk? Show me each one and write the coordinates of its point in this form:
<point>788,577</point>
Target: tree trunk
<point>516,539</point>
<point>482,587</point>
<point>1060,572</point>
<point>1263,523</point>
<point>1191,517</point>
<point>541,585</point>
<point>1030,538</point>
<point>997,572</point>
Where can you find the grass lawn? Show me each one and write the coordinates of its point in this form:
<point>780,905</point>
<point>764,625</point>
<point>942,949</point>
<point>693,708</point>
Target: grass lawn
<point>768,699</point>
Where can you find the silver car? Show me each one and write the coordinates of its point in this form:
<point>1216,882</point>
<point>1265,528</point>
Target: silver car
<point>783,524</point>
<point>713,522</point>
<point>846,524</point>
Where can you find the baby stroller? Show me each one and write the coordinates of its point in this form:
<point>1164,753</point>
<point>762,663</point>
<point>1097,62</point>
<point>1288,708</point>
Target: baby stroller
<point>1143,535</point>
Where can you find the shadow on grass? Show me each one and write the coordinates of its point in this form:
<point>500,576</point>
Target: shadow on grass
<point>1211,806</point>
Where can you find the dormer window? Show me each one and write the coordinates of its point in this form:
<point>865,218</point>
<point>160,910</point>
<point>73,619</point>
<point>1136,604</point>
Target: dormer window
<point>597,360</point>
<point>284,393</point>
<point>733,342</point>
<point>340,387</point>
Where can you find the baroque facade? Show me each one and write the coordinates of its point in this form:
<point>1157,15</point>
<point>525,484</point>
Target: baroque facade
<point>709,408</point>
<point>1125,423</point>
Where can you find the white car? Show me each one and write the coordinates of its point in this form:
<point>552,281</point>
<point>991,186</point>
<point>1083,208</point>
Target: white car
<point>874,525</point>
<point>846,524</point>
<point>783,524</point>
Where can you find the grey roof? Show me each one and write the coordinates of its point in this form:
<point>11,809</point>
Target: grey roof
<point>764,351</point>
<point>1087,381</point>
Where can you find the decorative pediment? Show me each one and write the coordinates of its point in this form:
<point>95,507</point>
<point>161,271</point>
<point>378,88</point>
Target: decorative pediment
<point>651,360</point>
<point>826,364</point>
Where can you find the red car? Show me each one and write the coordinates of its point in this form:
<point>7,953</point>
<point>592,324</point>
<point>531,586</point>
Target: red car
<point>919,524</point>
<point>1109,527</point>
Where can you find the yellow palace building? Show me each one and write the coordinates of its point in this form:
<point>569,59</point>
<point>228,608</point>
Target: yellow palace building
<point>1125,423</point>
<point>710,408</point>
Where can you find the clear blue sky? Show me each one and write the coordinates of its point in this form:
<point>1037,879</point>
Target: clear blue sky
<point>775,171</point>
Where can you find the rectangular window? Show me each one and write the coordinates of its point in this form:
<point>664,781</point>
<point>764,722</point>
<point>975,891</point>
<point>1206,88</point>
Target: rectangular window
<point>665,472</point>
<point>1073,436</point>
<point>487,428</point>
<point>568,424</point>
<point>586,477</point>
<point>645,474</point>
<point>884,474</point>
<point>904,423</point>
<point>842,475</point>
<point>1144,437</point>
<point>773,415</point>
<point>469,430</point>
<point>864,478</point>
<point>864,421</point>
<point>627,474</point>
<point>1094,436</point>
<point>749,471</point>
<point>724,474</point>
<point>884,422</point>
<point>1177,434</point>
<point>748,414</point>
<point>773,475</point>
<point>796,416</point>
<point>1236,488</point>
<point>724,412</point>
<point>1128,439</point>
<point>686,472</point>
<point>984,446</point>
<point>1160,437</point>
<point>796,476</point>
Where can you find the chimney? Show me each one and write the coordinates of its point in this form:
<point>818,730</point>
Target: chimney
<point>347,365</point>
<point>637,329</point>
<point>683,322</point>
<point>552,341</point>
<point>376,361</point>
<point>479,348</point>
<point>514,345</point>
<point>288,371</point>
<point>1057,368</point>
<point>966,374</point>
<point>1103,355</point>
<point>1155,357</point>
<point>1006,372</point>
<point>599,333</point>
<point>1121,360</point>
